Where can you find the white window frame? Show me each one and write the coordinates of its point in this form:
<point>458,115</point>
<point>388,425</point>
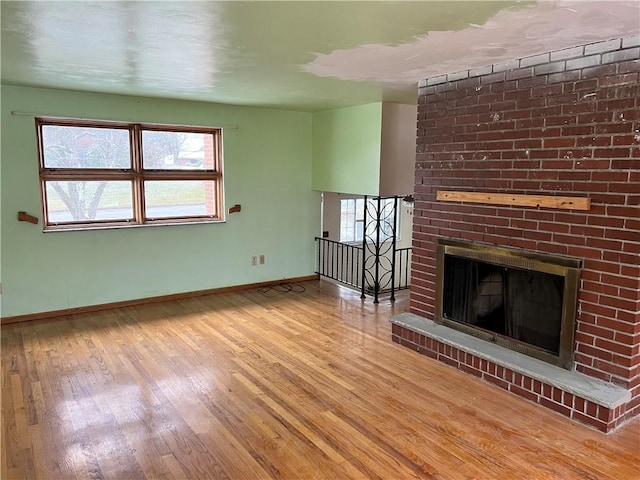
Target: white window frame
<point>352,226</point>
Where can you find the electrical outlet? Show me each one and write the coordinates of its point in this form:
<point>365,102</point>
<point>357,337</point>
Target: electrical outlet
<point>261,259</point>
<point>254,260</point>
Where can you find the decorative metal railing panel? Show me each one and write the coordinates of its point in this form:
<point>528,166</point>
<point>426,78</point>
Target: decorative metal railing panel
<point>376,267</point>
<point>379,245</point>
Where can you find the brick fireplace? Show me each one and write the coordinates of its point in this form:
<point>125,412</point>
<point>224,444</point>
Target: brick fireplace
<point>564,123</point>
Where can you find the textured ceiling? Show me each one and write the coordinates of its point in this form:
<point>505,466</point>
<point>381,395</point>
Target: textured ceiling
<point>296,55</point>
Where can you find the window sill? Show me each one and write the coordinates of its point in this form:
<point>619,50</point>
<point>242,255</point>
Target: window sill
<point>118,226</point>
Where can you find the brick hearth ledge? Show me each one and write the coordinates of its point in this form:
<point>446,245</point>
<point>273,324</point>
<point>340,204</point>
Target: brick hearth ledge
<point>590,389</point>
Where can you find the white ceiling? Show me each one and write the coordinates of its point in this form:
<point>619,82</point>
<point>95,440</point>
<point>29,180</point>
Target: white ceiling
<point>296,55</point>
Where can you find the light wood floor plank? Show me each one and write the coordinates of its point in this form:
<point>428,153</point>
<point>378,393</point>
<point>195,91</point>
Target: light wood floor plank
<point>263,384</point>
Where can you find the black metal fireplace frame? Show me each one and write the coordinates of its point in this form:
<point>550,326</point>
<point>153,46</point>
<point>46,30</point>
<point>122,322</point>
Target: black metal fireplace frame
<point>568,268</point>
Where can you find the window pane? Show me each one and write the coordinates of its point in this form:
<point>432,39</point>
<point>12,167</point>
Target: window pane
<point>346,234</point>
<point>180,198</point>
<point>359,230</point>
<point>177,150</point>
<point>347,219</point>
<point>387,219</point>
<point>85,147</point>
<point>80,201</point>
<point>359,208</point>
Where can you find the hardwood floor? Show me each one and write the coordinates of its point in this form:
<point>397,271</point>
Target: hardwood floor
<point>253,385</point>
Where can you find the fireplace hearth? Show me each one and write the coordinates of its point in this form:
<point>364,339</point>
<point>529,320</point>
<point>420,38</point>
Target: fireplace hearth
<point>519,300</point>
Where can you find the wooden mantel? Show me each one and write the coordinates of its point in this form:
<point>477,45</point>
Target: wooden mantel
<point>545,201</point>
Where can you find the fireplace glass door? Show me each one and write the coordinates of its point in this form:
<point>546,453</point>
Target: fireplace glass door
<point>520,304</point>
<point>522,301</point>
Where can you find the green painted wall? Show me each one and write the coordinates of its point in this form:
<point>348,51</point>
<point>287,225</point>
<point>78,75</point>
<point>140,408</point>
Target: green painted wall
<point>346,149</point>
<point>267,169</point>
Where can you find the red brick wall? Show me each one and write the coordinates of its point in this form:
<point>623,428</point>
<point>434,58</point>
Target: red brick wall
<point>562,123</point>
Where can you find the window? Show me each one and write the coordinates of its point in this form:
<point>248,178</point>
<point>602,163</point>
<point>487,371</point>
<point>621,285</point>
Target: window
<point>352,224</point>
<point>99,174</point>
